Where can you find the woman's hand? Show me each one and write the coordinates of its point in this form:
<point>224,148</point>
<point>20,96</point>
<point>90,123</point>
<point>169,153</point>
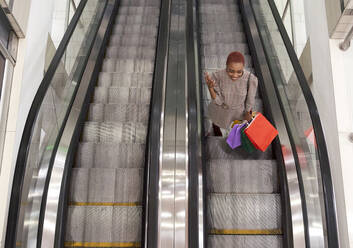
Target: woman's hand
<point>248,116</point>
<point>210,83</point>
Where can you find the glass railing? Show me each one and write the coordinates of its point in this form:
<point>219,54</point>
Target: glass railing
<point>304,126</point>
<point>45,123</point>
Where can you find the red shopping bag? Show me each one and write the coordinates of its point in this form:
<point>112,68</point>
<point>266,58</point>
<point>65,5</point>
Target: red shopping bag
<point>261,132</point>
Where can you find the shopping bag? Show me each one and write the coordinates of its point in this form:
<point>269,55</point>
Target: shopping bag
<point>245,142</point>
<point>260,132</point>
<point>234,137</point>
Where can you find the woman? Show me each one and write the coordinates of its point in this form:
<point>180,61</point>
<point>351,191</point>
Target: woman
<point>233,93</point>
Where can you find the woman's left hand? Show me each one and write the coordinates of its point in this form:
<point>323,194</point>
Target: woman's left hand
<point>248,116</point>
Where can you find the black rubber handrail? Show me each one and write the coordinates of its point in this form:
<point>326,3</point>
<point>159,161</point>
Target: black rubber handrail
<point>328,193</point>
<point>151,190</point>
<point>10,240</point>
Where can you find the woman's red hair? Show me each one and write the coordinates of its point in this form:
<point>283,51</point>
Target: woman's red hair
<point>235,57</point>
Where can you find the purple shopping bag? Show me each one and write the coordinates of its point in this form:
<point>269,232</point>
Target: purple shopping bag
<point>234,137</point>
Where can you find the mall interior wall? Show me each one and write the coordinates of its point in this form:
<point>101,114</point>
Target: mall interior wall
<point>321,18</point>
<point>35,18</point>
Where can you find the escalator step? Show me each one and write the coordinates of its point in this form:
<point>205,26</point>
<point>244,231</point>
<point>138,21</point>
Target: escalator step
<point>215,37</point>
<point>137,10</point>
<point>104,224</point>
<point>130,52</point>
<point>217,148</point>
<point>244,212</point>
<point>226,27</point>
<point>216,48</point>
<point>137,19</point>
<point>224,19</point>
<point>99,112</point>
<point>245,241</point>
<point>242,176</point>
<point>132,40</point>
<point>122,95</point>
<point>110,155</point>
<point>137,80</point>
<point>127,65</point>
<point>146,30</point>
<point>114,132</point>
<point>154,3</point>
<point>217,7</point>
<point>103,185</point>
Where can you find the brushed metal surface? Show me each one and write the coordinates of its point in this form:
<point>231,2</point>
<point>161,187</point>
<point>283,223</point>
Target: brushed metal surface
<point>174,158</point>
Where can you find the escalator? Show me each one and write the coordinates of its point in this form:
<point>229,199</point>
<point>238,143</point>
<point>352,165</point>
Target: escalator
<point>118,149</point>
<point>106,195</point>
<point>89,151</point>
<point>243,196</point>
<point>282,197</point>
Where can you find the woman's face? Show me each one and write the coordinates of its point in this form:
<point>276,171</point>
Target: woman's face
<point>235,70</point>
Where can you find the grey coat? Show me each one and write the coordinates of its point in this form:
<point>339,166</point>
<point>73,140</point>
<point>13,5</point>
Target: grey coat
<point>233,97</point>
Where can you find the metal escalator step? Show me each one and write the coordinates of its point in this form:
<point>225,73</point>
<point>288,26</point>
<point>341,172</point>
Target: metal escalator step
<point>219,61</point>
<point>104,224</point>
<point>220,7</point>
<point>244,211</point>
<point>132,40</point>
<point>110,155</point>
<point>122,95</point>
<point>146,30</point>
<point>242,176</point>
<point>130,52</point>
<point>219,36</point>
<point>137,80</point>
<point>118,113</point>
<point>103,185</point>
<point>111,132</point>
<point>222,48</point>
<point>245,241</point>
<point>127,65</point>
<point>224,19</point>
<point>227,27</point>
<point>135,10</point>
<point>140,3</point>
<point>137,19</point>
<point>217,148</point>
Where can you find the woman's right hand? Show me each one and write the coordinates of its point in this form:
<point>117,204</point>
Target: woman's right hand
<point>210,83</point>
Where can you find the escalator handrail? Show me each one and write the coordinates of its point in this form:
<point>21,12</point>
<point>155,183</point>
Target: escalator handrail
<point>150,225</point>
<point>10,239</point>
<point>196,204</point>
<point>328,193</point>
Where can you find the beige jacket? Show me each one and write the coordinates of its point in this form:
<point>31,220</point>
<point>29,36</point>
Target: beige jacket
<point>233,97</point>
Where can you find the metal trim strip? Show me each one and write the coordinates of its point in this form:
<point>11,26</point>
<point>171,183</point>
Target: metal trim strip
<point>155,131</point>
<point>196,176</point>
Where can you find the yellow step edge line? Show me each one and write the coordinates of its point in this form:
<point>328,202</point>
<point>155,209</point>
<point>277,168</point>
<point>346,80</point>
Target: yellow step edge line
<point>102,244</point>
<point>246,232</point>
<point>128,204</point>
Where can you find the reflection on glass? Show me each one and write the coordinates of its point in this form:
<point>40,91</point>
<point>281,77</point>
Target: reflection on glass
<point>50,119</point>
<point>299,121</point>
